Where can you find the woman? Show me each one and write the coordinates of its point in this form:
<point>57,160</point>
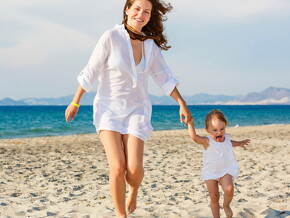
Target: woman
<point>121,62</point>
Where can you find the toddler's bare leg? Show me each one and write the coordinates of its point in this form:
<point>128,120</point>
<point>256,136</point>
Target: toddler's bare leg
<point>213,189</point>
<point>228,188</point>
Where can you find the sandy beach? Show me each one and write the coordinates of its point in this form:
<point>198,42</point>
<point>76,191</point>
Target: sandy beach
<point>67,176</point>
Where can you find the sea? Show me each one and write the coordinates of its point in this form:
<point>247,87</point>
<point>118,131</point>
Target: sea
<point>37,121</point>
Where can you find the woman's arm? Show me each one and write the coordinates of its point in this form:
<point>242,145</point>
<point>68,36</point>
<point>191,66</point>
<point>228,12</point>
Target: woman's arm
<point>184,112</point>
<point>72,110</point>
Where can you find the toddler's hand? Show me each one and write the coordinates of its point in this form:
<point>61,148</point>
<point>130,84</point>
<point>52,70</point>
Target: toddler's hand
<point>190,120</point>
<point>245,142</point>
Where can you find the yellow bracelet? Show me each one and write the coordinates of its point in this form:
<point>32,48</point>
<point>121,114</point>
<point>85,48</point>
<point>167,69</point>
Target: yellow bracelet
<point>75,104</point>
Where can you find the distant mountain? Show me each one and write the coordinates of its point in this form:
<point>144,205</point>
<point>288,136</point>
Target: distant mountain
<point>48,101</point>
<point>271,95</point>
<point>88,99</point>
<point>191,100</point>
<point>9,101</point>
<point>208,99</point>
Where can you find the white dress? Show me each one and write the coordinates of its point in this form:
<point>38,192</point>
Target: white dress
<point>122,103</point>
<point>219,160</point>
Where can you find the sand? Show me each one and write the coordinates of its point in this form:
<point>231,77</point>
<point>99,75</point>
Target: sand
<point>67,176</point>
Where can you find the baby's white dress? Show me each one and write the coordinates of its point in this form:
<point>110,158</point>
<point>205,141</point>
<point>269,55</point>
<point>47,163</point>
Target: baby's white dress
<point>122,103</point>
<point>219,160</point>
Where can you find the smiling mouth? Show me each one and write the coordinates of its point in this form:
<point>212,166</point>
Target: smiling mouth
<point>139,20</point>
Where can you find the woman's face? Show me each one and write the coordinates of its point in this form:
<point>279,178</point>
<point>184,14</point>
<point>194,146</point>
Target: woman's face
<point>139,14</point>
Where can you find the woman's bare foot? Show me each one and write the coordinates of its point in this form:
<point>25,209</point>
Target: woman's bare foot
<point>131,202</point>
<point>228,211</point>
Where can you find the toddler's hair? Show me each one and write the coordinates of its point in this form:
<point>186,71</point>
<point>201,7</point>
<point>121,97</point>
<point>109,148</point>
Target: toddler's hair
<point>215,113</point>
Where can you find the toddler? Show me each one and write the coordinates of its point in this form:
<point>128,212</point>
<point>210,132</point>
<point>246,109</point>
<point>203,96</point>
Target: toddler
<point>219,162</point>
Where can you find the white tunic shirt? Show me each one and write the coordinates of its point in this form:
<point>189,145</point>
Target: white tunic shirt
<point>122,103</point>
<point>219,160</point>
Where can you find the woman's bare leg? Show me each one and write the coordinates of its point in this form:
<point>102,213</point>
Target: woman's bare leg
<point>134,148</point>
<point>113,144</point>
<point>228,188</point>
<point>213,189</point>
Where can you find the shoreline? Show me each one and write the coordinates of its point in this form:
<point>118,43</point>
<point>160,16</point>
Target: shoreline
<point>94,133</point>
<point>68,175</point>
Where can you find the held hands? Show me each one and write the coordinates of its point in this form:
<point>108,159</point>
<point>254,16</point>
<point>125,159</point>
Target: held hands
<point>185,115</point>
<point>70,112</point>
<point>184,112</point>
<point>191,121</point>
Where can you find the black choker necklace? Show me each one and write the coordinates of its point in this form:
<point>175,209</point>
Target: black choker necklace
<point>133,30</point>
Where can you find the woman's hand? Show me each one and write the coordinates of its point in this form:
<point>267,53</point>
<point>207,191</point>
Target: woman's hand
<point>70,112</point>
<point>185,115</point>
<point>184,112</point>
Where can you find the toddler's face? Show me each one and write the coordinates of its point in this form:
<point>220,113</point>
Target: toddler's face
<point>217,129</point>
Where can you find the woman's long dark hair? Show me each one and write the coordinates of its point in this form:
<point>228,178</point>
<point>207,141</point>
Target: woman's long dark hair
<point>154,28</point>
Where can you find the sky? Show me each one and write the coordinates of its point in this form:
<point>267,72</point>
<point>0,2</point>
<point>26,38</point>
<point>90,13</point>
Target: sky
<point>228,47</point>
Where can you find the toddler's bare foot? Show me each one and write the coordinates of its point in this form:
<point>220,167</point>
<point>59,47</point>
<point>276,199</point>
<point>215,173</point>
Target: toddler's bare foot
<point>131,202</point>
<point>228,211</point>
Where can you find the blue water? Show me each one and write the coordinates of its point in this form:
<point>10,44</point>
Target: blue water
<point>35,121</point>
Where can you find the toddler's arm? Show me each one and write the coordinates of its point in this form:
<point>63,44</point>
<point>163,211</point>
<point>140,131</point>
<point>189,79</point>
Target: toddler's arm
<point>198,139</point>
<point>241,143</point>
